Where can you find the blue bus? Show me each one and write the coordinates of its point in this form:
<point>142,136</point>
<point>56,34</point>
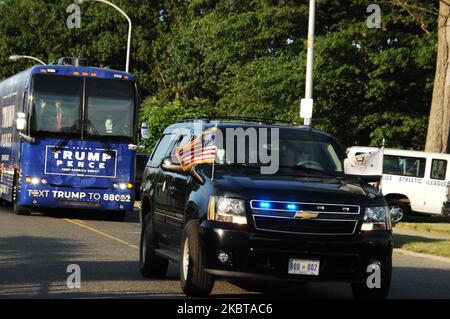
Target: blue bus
<point>68,139</point>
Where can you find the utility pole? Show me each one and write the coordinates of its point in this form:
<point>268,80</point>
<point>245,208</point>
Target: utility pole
<point>308,102</point>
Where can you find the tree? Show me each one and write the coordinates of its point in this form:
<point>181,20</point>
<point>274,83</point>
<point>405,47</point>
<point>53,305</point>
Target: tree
<point>248,59</point>
<point>38,28</point>
<point>439,121</point>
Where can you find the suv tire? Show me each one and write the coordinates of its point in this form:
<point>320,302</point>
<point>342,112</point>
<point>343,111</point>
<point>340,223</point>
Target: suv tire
<point>195,281</point>
<point>362,291</point>
<point>150,264</point>
<point>400,210</point>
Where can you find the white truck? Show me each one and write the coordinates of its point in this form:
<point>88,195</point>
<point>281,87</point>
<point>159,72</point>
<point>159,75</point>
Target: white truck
<point>413,181</point>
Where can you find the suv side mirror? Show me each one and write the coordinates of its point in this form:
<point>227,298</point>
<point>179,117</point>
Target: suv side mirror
<point>21,122</point>
<point>169,165</point>
<point>144,131</point>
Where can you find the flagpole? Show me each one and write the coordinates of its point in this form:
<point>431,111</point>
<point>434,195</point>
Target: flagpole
<point>214,162</point>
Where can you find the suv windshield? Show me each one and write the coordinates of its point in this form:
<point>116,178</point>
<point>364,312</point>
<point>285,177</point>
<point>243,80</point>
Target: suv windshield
<point>58,106</point>
<point>295,150</point>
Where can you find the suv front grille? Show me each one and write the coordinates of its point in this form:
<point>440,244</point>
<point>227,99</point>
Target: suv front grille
<point>305,218</point>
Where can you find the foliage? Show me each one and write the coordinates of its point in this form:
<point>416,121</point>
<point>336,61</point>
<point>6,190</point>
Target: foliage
<point>247,58</point>
<point>159,113</point>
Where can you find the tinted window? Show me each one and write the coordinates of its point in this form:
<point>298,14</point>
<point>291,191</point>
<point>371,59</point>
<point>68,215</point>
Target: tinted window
<point>161,150</point>
<point>56,104</point>
<point>403,165</point>
<point>438,169</point>
<point>294,149</point>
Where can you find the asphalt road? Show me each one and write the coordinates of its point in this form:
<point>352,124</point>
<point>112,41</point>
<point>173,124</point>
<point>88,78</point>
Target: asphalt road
<point>36,250</point>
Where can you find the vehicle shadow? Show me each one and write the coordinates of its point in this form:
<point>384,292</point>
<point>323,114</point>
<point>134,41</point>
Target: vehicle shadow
<point>131,217</point>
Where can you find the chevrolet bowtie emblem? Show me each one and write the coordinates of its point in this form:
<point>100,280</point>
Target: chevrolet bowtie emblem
<point>306,215</point>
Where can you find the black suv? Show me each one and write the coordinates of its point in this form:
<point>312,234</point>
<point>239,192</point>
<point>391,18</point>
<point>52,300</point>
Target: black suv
<point>308,221</point>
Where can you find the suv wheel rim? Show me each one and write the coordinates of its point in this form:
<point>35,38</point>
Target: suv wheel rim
<point>144,248</point>
<point>396,213</point>
<point>185,259</point>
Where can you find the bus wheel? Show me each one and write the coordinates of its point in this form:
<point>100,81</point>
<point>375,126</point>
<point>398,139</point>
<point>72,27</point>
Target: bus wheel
<point>118,216</point>
<point>19,210</point>
<point>398,210</point>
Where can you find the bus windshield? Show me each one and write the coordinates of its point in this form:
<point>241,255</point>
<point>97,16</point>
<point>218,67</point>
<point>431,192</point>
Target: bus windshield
<point>110,108</point>
<point>58,103</point>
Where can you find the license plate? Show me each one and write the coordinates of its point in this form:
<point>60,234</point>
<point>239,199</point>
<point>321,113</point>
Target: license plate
<point>303,267</point>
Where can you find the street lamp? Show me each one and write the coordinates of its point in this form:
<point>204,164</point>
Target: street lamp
<point>308,102</point>
<point>14,58</point>
<point>127,67</point>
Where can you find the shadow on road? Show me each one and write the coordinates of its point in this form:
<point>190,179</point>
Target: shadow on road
<point>132,217</point>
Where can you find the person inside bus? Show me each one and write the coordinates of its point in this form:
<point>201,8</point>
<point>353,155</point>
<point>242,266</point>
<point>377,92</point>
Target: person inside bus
<point>59,115</point>
<point>43,122</point>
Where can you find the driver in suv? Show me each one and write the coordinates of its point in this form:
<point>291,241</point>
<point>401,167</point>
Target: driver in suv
<point>273,203</point>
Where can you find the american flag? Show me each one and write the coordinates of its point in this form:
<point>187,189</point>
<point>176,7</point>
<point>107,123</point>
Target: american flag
<point>200,150</point>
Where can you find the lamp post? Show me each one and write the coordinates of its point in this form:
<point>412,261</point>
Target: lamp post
<point>14,58</point>
<point>127,65</point>
<point>307,102</point>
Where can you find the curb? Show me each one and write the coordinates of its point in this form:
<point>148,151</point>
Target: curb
<point>416,233</point>
<point>427,256</point>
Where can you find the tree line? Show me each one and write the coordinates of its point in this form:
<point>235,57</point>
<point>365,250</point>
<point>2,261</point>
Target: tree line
<point>247,58</point>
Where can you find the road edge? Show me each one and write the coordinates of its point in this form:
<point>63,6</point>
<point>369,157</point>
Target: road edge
<point>427,256</point>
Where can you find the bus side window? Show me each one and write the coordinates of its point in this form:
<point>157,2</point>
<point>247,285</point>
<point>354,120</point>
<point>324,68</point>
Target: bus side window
<point>438,169</point>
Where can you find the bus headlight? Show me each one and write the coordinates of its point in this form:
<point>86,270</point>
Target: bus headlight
<point>228,210</point>
<point>376,218</point>
<point>35,180</point>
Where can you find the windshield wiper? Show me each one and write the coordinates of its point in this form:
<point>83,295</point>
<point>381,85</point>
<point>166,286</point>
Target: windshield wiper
<point>315,171</point>
<point>73,128</point>
<point>66,136</point>
<point>240,165</point>
<point>94,132</point>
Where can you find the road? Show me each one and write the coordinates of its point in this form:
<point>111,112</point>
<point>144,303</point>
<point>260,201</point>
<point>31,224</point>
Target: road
<point>36,250</point>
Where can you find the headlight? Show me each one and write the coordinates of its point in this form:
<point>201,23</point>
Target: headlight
<point>35,181</point>
<point>228,210</point>
<point>376,218</point>
<point>122,186</point>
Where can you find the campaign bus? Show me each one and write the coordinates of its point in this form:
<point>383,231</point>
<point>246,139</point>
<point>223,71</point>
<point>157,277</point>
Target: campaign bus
<point>68,134</point>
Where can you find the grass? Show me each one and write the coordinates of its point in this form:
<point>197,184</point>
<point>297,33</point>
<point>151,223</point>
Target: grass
<point>430,224</point>
<point>423,245</point>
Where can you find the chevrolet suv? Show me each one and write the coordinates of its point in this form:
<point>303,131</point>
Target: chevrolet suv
<point>305,220</point>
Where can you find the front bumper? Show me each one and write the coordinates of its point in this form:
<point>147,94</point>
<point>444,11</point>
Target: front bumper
<point>255,257</point>
<point>91,199</point>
